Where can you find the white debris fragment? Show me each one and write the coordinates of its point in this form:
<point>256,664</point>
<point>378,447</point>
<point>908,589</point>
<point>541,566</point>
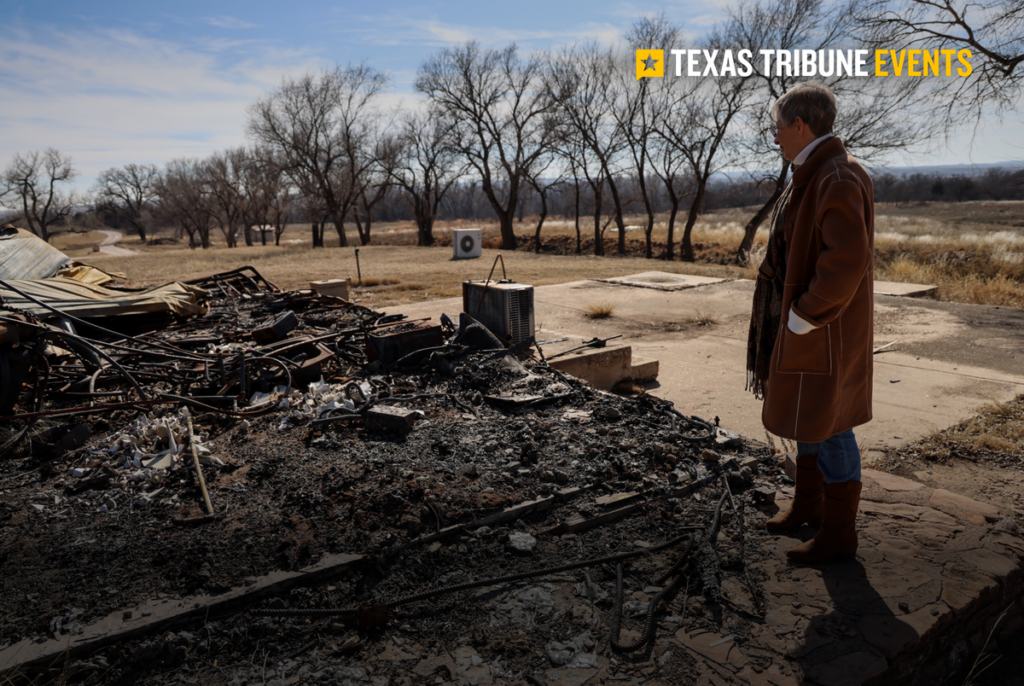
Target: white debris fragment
<point>320,399</point>
<point>572,654</point>
<point>150,448</point>
<point>522,542</point>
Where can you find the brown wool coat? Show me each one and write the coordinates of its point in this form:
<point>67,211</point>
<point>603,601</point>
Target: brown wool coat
<point>819,383</point>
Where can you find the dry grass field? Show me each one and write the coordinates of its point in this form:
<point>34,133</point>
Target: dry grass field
<point>973,251</point>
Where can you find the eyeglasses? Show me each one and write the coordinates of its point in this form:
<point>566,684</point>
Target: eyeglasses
<point>774,129</point>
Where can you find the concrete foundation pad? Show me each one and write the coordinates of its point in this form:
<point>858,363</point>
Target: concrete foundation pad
<point>662,281</point>
<point>905,290</point>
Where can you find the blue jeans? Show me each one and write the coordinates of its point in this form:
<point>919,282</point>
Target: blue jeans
<point>838,457</point>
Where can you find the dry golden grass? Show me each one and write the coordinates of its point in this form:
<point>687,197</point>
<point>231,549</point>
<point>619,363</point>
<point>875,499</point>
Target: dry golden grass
<point>598,310</point>
<point>995,433</point>
<point>77,244</point>
<point>399,273</point>
<point>371,282</point>
<point>702,317</point>
<point>973,252</point>
<point>979,262</point>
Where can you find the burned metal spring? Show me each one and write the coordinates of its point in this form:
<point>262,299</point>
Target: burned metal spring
<point>652,607</point>
<point>445,590</point>
<point>677,572</point>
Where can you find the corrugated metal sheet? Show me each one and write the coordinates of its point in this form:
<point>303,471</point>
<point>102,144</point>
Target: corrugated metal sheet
<point>88,300</point>
<point>23,255</point>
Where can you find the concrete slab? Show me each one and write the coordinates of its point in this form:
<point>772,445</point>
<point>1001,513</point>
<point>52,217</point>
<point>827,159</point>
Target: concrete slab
<point>947,359</point>
<point>662,281</point>
<point>905,290</point>
<point>926,584</point>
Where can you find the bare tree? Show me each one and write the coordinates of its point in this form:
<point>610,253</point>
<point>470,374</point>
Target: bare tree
<point>580,79</point>
<point>267,194</point>
<point>672,168</point>
<point>185,199</point>
<point>32,182</point>
<point>700,124</point>
<point>581,160</point>
<point>993,31</point>
<point>375,178</point>
<point>317,125</point>
<point>543,185</point>
<point>876,117</point>
<point>225,173</point>
<point>503,119</point>
<point>428,164</point>
<point>128,192</point>
<point>642,108</point>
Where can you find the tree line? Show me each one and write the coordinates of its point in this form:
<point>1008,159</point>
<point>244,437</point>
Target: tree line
<point>569,131</point>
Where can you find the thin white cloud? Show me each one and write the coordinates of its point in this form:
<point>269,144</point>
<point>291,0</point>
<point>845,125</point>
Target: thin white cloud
<point>112,97</point>
<point>229,23</point>
<point>404,30</point>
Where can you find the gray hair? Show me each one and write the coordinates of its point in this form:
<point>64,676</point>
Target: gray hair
<point>813,102</point>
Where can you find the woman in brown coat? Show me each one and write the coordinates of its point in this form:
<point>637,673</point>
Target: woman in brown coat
<point>810,346</point>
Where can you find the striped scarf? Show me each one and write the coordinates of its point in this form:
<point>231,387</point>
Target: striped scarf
<point>766,315</point>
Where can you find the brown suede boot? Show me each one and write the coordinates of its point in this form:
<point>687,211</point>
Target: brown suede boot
<point>808,501</point>
<point>838,535</point>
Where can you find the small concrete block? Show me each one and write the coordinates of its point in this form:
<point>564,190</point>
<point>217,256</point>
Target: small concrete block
<point>602,368</point>
<point>644,369</point>
<point>764,495</point>
<point>334,287</point>
<point>396,420</point>
<point>728,439</point>
<point>789,464</point>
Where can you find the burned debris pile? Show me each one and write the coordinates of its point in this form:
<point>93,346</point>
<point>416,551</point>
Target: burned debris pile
<point>142,458</point>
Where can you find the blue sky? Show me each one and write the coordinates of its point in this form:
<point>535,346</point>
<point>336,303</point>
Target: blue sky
<point>144,82</point>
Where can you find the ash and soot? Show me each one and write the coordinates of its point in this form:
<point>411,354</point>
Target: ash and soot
<point>323,509</point>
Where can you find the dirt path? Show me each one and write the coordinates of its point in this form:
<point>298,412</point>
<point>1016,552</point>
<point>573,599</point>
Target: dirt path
<point>109,244</point>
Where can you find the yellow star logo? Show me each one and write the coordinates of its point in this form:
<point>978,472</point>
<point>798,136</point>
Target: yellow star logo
<point>650,63</point>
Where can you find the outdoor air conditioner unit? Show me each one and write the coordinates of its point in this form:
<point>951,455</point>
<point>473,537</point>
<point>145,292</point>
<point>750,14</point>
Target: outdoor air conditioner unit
<point>466,243</point>
<point>504,307</point>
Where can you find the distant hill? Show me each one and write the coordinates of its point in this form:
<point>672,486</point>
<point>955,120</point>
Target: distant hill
<point>944,170</point>
<point>949,169</point>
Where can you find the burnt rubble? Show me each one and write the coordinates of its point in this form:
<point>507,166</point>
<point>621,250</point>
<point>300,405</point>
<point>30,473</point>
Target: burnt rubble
<point>452,464</point>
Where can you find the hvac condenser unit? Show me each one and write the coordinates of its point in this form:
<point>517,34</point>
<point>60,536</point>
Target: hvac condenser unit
<point>504,307</point>
<point>466,243</point>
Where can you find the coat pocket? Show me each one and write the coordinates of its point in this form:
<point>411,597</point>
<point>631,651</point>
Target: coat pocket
<point>810,353</point>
